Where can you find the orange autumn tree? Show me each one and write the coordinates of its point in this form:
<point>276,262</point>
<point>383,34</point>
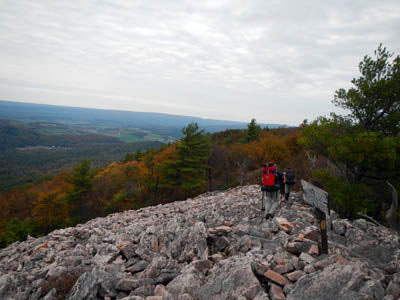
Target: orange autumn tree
<point>51,210</point>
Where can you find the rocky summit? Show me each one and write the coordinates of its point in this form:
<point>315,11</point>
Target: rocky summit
<point>216,246</point>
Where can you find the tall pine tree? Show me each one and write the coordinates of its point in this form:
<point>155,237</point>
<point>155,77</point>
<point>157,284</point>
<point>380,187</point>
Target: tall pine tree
<point>188,173</point>
<point>253,131</point>
<point>81,178</point>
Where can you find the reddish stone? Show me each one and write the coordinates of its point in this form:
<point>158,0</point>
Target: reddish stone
<point>248,244</point>
<point>294,276</point>
<point>284,224</point>
<point>313,235</point>
<point>228,223</point>
<point>300,238</point>
<point>340,259</point>
<point>275,277</point>
<point>220,230</point>
<point>283,269</point>
<point>313,250</point>
<point>279,259</point>
<point>42,247</point>
<point>277,292</point>
<point>159,290</point>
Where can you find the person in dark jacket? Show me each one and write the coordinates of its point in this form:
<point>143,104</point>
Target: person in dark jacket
<point>281,185</point>
<point>288,181</point>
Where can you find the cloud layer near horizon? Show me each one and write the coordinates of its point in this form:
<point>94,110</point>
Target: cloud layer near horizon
<point>276,61</point>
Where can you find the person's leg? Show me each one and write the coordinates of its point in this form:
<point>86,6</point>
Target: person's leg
<point>275,203</point>
<point>268,203</point>
<point>287,191</point>
<point>263,201</point>
<point>281,191</point>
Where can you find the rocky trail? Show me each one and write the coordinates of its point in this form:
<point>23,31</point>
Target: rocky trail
<point>216,246</point>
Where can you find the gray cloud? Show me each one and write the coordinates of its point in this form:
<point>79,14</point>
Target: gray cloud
<point>277,61</point>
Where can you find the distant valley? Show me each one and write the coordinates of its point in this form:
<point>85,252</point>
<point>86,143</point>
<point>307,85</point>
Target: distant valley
<point>38,140</point>
<point>127,126</point>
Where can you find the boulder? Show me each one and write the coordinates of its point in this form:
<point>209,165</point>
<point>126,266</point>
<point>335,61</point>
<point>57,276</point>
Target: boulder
<point>233,279</point>
<point>90,284</point>
<point>341,282</point>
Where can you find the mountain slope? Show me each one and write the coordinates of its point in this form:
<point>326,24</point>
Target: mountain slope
<point>161,123</point>
<point>214,247</point>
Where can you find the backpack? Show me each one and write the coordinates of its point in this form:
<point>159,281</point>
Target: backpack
<point>270,176</point>
<point>290,177</point>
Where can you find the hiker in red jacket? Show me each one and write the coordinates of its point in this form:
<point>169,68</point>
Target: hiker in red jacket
<point>271,188</point>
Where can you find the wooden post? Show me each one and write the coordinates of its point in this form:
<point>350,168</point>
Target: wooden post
<point>322,227</point>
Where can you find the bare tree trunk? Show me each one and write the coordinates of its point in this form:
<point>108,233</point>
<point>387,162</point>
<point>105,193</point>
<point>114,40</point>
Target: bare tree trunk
<point>391,213</point>
<point>242,171</point>
<point>312,159</point>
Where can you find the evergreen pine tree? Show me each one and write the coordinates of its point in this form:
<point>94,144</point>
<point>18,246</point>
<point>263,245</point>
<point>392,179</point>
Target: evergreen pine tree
<point>81,178</point>
<point>188,172</point>
<point>253,131</point>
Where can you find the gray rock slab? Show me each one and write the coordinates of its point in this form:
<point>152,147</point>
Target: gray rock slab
<point>337,282</point>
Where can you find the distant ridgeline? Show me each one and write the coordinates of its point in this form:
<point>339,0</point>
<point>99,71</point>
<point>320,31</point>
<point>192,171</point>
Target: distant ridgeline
<point>159,123</point>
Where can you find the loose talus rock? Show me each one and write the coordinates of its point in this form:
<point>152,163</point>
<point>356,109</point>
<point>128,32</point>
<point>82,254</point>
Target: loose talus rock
<point>216,246</point>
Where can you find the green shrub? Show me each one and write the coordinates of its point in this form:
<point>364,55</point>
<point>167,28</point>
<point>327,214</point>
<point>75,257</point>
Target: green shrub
<point>346,199</point>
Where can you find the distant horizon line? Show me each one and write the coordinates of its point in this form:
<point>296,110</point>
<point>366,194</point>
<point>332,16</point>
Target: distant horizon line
<point>146,112</point>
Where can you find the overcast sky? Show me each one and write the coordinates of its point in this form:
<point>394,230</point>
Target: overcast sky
<point>276,61</point>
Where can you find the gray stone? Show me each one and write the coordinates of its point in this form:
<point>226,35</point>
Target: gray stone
<point>128,250</point>
<point>5,286</point>
<point>144,291</point>
<point>90,284</point>
<point>393,287</point>
<point>128,285</point>
<point>138,267</point>
<point>361,224</point>
<point>52,295</point>
<point>221,243</point>
<point>340,226</point>
<point>166,277</point>
<point>154,268</point>
<point>202,265</point>
<point>342,282</point>
<point>235,278</point>
<point>188,282</point>
<point>309,269</point>
<point>307,258</point>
